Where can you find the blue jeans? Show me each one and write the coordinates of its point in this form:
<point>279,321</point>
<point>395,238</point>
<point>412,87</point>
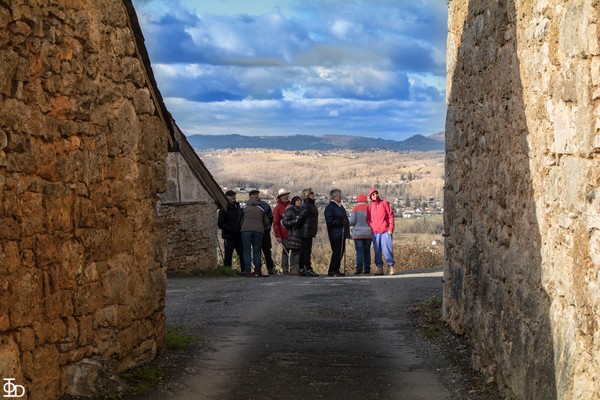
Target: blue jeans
<point>363,255</point>
<point>252,245</point>
<point>382,245</point>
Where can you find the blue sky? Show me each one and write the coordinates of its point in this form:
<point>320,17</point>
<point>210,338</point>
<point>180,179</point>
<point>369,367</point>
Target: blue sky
<point>281,67</point>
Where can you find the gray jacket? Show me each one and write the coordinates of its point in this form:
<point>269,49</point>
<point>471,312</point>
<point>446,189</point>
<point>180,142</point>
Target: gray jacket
<point>358,220</point>
<point>254,217</point>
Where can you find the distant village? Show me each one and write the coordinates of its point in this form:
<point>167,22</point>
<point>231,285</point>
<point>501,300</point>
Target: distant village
<point>403,207</point>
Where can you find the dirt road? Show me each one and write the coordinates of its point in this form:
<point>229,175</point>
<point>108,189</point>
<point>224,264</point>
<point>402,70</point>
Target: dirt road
<point>288,337</point>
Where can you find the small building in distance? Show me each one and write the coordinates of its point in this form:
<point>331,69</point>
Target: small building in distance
<point>188,209</point>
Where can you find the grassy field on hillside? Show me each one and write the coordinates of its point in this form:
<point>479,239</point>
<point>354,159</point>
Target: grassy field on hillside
<point>416,174</point>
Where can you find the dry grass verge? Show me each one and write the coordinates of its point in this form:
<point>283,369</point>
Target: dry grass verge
<point>410,253</point>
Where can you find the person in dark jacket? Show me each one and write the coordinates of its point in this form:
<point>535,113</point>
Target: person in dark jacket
<point>229,222</point>
<point>338,231</point>
<point>307,226</point>
<point>294,242</point>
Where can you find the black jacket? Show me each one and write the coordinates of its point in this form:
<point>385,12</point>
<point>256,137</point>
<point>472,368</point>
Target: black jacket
<point>337,221</point>
<point>268,212</point>
<point>230,221</point>
<point>289,221</point>
<point>308,219</point>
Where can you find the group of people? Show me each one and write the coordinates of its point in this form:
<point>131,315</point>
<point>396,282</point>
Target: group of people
<point>246,229</point>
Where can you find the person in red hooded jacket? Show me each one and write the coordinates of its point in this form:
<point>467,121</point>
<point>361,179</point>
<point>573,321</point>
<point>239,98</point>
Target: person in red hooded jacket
<point>380,218</point>
<point>280,231</point>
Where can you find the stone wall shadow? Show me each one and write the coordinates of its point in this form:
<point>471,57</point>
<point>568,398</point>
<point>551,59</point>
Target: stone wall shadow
<point>493,264</point>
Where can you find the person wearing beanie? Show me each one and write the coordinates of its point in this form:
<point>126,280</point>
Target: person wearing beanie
<point>380,218</point>
<point>361,234</point>
<point>294,242</point>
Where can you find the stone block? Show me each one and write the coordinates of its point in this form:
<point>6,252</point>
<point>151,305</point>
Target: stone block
<point>58,207</point>
<point>142,101</point>
<point>86,330</point>
<point>27,339</point>
<point>88,298</point>
<point>4,323</point>
<point>11,229</point>
<point>25,299</point>
<point>45,372</point>
<point>9,258</point>
<point>85,378</point>
<point>10,360</point>
<point>58,331</point>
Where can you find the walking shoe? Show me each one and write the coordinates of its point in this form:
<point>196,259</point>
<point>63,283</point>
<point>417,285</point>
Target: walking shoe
<point>379,271</point>
<point>310,272</point>
<point>248,274</point>
<point>358,273</point>
<point>302,273</point>
<point>392,272</point>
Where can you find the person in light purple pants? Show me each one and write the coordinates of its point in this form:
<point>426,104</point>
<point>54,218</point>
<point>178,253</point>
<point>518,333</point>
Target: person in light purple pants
<point>380,218</point>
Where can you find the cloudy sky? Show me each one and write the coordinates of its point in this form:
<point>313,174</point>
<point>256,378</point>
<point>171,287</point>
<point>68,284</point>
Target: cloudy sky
<point>278,67</point>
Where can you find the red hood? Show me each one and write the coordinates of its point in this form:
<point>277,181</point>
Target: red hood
<point>371,192</point>
<point>361,198</point>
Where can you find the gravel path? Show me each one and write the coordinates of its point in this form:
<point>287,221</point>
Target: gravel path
<point>288,337</point>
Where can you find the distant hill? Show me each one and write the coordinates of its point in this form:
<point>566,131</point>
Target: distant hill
<point>307,142</point>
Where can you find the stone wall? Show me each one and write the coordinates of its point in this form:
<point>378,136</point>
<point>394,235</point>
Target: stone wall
<point>189,214</point>
<point>82,158</point>
<point>522,196</point>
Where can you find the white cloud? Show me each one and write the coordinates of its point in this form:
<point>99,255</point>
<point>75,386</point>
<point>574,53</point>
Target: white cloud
<point>235,66</point>
<point>343,29</point>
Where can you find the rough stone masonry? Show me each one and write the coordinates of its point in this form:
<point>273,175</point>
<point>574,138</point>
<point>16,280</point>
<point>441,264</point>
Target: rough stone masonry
<point>82,158</point>
<point>522,197</point>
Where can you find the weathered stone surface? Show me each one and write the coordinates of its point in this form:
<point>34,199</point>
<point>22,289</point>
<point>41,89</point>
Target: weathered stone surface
<point>185,208</point>
<point>192,245</point>
<point>82,158</point>
<point>522,176</point>
<point>81,378</point>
